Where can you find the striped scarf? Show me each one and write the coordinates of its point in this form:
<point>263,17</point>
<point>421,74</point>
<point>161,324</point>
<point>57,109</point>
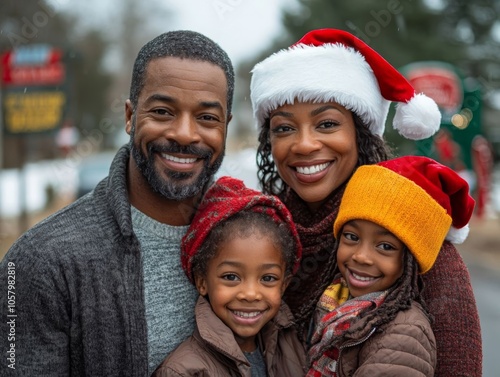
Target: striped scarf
<point>341,314</point>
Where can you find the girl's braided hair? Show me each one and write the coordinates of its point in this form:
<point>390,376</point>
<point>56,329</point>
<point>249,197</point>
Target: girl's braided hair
<point>406,289</point>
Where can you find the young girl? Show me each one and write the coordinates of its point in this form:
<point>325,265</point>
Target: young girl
<point>393,218</point>
<point>240,252</point>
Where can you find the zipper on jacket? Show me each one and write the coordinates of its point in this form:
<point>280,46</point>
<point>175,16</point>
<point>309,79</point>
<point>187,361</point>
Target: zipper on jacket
<point>353,344</point>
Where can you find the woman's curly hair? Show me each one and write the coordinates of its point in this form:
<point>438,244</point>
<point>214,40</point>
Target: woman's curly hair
<point>371,149</point>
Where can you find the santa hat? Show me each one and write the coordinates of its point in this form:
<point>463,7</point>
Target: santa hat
<point>333,65</point>
<point>225,198</point>
<point>417,199</point>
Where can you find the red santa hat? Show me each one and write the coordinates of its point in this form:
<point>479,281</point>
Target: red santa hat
<point>334,65</point>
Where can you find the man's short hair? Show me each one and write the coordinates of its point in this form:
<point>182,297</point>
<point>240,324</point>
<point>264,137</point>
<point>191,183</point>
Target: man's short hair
<point>184,44</point>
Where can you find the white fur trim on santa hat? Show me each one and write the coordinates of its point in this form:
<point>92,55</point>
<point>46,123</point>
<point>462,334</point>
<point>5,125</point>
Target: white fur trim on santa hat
<point>417,119</point>
<point>330,72</point>
<point>458,235</point>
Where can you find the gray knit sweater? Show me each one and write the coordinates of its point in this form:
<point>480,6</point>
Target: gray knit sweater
<point>169,295</point>
<point>79,290</point>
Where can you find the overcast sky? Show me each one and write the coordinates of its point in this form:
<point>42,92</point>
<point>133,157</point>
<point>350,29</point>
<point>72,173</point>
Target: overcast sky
<point>241,27</point>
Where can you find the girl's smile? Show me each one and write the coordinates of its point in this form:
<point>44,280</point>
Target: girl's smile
<point>244,283</point>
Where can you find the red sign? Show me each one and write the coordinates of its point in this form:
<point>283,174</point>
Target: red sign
<point>34,75</point>
<point>440,84</point>
<point>33,65</point>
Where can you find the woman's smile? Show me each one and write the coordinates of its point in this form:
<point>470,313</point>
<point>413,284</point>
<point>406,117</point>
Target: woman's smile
<point>314,148</point>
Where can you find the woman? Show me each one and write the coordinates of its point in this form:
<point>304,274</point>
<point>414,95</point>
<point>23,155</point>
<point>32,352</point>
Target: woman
<point>321,107</point>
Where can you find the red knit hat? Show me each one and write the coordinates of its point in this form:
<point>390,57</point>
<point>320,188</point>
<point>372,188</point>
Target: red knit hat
<point>417,199</point>
<point>225,198</point>
<point>334,65</point>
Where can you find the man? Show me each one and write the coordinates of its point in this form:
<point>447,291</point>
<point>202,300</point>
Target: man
<point>98,286</point>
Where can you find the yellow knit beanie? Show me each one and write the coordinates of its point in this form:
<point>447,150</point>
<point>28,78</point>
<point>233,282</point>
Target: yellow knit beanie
<point>417,199</point>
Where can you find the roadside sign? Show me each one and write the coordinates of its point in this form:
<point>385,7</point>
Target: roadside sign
<point>441,84</point>
<point>34,94</point>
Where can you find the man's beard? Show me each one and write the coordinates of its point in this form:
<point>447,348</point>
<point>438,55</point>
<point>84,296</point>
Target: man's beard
<point>175,186</point>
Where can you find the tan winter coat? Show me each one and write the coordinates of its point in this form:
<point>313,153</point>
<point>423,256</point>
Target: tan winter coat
<point>213,351</point>
<point>403,347</point>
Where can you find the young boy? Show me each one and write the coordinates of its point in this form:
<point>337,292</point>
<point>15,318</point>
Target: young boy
<point>240,252</point>
<point>371,319</point>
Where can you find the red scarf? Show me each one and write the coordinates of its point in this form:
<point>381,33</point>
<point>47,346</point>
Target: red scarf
<point>331,327</point>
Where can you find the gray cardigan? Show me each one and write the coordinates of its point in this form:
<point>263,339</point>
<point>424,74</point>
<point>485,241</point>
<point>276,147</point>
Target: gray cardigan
<point>79,302</point>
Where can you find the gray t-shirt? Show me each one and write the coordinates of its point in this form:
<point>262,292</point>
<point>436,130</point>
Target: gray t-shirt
<point>170,297</point>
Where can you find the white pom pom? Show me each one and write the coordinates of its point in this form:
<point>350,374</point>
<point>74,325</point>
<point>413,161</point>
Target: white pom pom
<point>417,119</point>
<point>458,235</point>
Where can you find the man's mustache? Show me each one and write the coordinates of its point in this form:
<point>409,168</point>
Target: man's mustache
<point>174,147</point>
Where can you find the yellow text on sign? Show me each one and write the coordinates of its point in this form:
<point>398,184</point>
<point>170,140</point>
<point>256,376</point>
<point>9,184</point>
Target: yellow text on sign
<point>33,112</point>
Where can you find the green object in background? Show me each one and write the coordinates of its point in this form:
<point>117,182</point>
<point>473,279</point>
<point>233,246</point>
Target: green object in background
<point>460,102</point>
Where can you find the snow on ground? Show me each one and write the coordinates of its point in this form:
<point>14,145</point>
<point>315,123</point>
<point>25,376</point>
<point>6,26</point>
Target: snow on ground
<point>29,185</point>
<point>62,175</point>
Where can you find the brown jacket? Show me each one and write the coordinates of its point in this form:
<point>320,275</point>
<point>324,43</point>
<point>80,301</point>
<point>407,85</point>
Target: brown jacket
<point>213,351</point>
<point>403,347</point>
